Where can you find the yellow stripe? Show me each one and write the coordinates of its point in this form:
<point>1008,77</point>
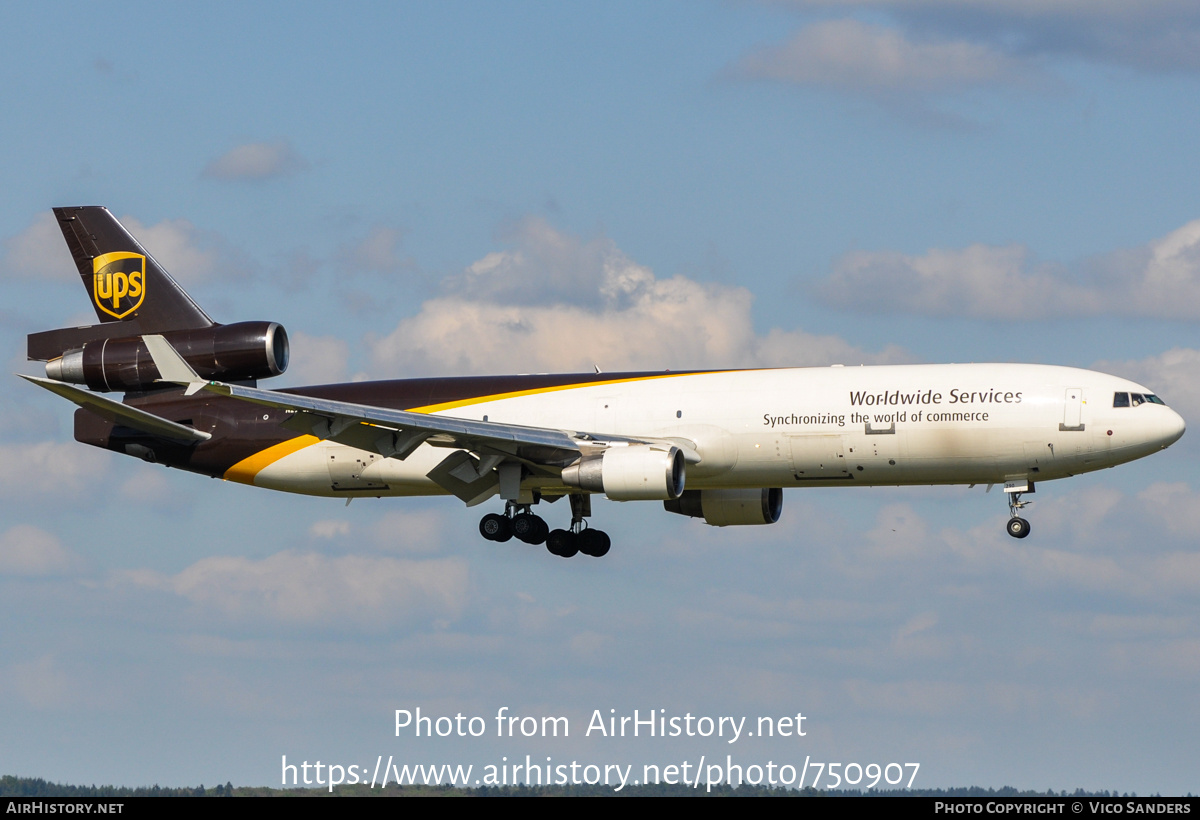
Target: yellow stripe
<point>246,469</point>
<point>450,405</point>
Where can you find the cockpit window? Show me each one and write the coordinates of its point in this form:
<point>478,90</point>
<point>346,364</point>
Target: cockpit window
<point>1134,399</point>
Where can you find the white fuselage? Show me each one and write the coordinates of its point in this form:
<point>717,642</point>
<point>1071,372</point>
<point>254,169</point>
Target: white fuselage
<point>847,426</point>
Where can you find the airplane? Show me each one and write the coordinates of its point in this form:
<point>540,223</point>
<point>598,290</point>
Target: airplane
<point>718,445</point>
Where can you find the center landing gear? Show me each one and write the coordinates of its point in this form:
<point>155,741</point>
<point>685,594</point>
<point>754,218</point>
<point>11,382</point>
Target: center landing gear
<point>1017,527</point>
<point>567,543</point>
<point>579,538</point>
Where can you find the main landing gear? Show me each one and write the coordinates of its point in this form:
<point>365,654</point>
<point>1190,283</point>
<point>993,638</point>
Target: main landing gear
<point>518,521</point>
<point>1017,527</point>
<point>567,543</point>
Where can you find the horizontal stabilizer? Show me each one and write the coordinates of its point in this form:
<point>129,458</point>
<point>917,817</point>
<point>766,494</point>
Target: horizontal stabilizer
<point>50,344</point>
<point>122,414</point>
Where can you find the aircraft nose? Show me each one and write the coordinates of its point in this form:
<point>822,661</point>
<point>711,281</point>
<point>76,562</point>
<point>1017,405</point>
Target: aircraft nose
<point>1172,429</point>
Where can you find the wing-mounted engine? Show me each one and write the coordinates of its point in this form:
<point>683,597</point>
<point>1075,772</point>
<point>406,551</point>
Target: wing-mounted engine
<point>243,351</point>
<point>726,508</point>
<point>640,472</point>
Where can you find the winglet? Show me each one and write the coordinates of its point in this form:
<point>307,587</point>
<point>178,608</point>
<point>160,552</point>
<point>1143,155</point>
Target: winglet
<point>171,366</point>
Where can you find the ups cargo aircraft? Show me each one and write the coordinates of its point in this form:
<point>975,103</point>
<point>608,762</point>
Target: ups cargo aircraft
<point>717,445</point>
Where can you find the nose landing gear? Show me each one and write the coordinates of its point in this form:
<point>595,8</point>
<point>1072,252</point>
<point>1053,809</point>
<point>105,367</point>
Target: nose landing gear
<point>1017,527</point>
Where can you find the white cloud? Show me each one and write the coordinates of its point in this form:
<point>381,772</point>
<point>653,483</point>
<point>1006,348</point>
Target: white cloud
<point>39,252</point>
<point>899,534</point>
<point>407,531</point>
<point>977,281</point>
<point>929,699</point>
<point>1095,538</point>
<point>1176,572</point>
<point>1079,9</point>
<point>916,625</point>
<point>329,528</point>
<point>55,468</point>
<point>1049,557</point>
<point>1173,375</point>
<point>314,589</point>
<point>152,485</point>
<point>1160,279</point>
<point>1168,283</point>
<point>30,551</point>
<point>853,56</point>
<point>316,359</point>
<point>256,161</point>
<point>41,683</point>
<point>188,253</point>
<point>411,531</point>
<point>1175,506</point>
<point>1152,36</point>
<point>1084,516</point>
<point>191,255</point>
<point>607,311</point>
<point>594,648</point>
<point>378,252</point>
<point>548,266</point>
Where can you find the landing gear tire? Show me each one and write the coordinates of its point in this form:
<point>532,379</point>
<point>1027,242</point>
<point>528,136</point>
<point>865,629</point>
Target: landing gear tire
<point>495,527</point>
<point>594,543</point>
<point>563,543</point>
<point>1018,527</point>
<point>530,528</point>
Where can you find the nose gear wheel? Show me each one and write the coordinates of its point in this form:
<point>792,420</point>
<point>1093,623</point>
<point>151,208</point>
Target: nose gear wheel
<point>1017,527</point>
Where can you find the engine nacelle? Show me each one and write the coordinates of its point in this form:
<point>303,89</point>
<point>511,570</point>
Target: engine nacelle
<point>730,508</point>
<point>638,473</point>
<point>237,352</point>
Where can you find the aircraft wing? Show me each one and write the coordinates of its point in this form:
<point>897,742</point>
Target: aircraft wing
<point>486,453</point>
<point>397,433</point>
<point>482,446</point>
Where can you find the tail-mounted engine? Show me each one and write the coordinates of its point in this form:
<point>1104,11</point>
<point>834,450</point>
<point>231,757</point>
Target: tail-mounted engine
<point>641,472</point>
<point>725,508</point>
<point>237,352</point>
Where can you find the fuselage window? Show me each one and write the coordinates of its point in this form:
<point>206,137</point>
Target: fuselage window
<point>1120,399</point>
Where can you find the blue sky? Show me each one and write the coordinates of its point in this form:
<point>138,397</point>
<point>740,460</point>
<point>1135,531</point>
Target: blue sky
<point>475,187</point>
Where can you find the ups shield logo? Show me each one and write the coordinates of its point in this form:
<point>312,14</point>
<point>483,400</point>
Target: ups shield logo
<point>119,282</point>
